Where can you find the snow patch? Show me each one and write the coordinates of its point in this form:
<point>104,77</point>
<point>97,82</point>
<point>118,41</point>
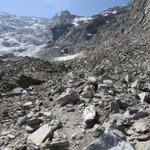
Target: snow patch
<point>69,57</point>
<point>76,22</point>
<point>106,13</point>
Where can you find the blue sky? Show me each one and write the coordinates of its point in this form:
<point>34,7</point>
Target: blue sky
<point>47,8</point>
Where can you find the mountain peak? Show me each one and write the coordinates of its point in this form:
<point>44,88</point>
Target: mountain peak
<point>63,17</point>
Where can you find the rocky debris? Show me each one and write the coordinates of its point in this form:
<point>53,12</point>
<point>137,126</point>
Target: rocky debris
<point>93,91</point>
<point>26,81</point>
<point>69,97</point>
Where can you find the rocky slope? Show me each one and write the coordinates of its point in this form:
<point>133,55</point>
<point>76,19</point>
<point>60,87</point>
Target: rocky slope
<point>97,102</point>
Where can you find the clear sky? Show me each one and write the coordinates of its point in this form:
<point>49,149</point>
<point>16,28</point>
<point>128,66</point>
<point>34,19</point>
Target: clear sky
<point>47,8</point>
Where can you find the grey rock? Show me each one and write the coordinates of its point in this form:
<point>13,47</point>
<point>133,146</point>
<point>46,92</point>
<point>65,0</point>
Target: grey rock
<point>97,130</point>
<point>142,126</point>
<point>136,84</point>
<point>69,97</point>
<point>109,83</point>
<point>117,121</point>
<point>109,141</point>
<point>34,123</point>
<point>128,78</point>
<point>26,80</point>
<point>144,97</point>
<point>88,92</point>
<point>40,135</point>
<point>27,105</point>
<point>89,114</point>
<point>21,121</point>
<point>44,132</point>
<point>140,114</point>
<point>59,141</point>
<point>143,145</point>
<point>114,107</point>
<point>102,87</point>
<point>122,104</point>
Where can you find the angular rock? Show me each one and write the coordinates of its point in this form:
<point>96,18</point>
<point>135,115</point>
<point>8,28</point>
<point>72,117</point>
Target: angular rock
<point>59,141</point>
<point>97,130</point>
<point>144,97</point>
<point>109,141</point>
<point>40,135</point>
<point>140,114</point>
<point>122,105</point>
<point>140,137</point>
<point>117,121</point>
<point>114,107</point>
<point>26,81</point>
<point>136,84</point>
<point>143,145</point>
<point>89,114</point>
<point>70,97</point>
<point>128,78</point>
<point>34,122</point>
<point>142,126</point>
<point>109,83</point>
<point>21,121</point>
<point>88,92</point>
<point>27,105</point>
<point>102,87</point>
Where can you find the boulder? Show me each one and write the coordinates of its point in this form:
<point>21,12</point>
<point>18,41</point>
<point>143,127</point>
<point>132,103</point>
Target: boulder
<point>26,81</point>
<point>97,130</point>
<point>89,114</point>
<point>59,142</point>
<point>69,97</point>
<point>45,132</point>
<point>117,121</point>
<point>142,126</point>
<point>143,145</point>
<point>109,141</point>
<point>40,135</point>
